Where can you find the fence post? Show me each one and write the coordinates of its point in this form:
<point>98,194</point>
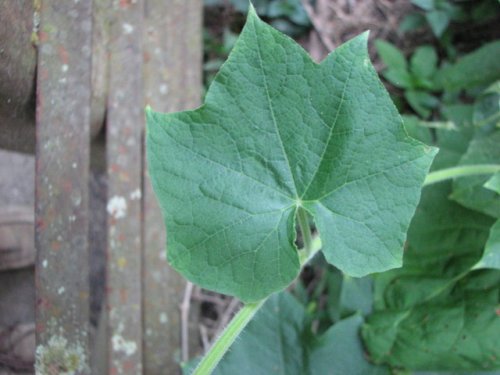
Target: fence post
<point>124,126</point>
<point>62,167</point>
<point>172,82</point>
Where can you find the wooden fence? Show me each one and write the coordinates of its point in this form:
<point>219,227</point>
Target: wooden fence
<point>99,63</point>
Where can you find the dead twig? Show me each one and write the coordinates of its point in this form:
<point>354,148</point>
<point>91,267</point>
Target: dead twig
<point>318,24</point>
<point>184,307</point>
<point>226,316</point>
<point>204,338</point>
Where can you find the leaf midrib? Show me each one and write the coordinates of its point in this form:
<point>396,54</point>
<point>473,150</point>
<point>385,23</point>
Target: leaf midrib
<point>330,133</point>
<point>275,123</point>
<point>271,109</point>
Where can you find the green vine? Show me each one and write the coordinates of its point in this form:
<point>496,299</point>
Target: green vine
<point>461,171</point>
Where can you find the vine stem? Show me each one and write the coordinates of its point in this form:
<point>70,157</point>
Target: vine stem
<point>227,337</point>
<point>312,244</point>
<point>461,171</point>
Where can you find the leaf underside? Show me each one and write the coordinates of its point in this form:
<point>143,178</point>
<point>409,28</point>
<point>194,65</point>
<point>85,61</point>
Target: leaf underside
<point>278,132</point>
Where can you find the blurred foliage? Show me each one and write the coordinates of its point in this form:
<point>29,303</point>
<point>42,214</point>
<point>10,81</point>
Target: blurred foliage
<point>440,15</point>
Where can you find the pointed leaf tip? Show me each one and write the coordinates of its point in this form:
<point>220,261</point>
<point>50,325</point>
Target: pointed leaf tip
<point>251,11</point>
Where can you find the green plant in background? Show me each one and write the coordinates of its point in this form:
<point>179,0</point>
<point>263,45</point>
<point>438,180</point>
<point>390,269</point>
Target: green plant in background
<point>440,14</point>
<point>440,311</point>
<point>218,50</point>
<point>288,16</point>
<point>430,86</point>
<point>281,142</point>
<point>417,77</point>
<point>437,14</point>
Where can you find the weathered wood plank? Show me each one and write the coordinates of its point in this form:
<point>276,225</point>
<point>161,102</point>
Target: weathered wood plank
<point>62,164</point>
<point>125,122</point>
<point>172,83</point>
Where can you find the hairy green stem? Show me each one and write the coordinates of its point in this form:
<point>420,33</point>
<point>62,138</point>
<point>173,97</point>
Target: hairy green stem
<point>460,171</point>
<point>227,337</point>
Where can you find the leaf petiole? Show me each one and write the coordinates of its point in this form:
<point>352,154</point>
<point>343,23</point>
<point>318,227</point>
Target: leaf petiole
<point>227,337</point>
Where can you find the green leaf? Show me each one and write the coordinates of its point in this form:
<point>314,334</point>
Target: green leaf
<point>276,341</point>
<point>487,107</point>
<point>459,332</point>
<point>477,68</point>
<point>339,351</point>
<point>438,21</point>
<point>334,285</point>
<point>424,4</point>
<point>292,9</point>
<point>415,128</point>
<point>271,342</point>
<point>260,6</point>
<point>399,78</point>
<point>422,102</point>
<point>491,256</point>
<point>391,56</point>
<point>469,191</point>
<point>411,22</point>
<point>356,295</point>
<point>423,62</point>
<point>434,314</point>
<point>278,132</point>
<point>493,183</point>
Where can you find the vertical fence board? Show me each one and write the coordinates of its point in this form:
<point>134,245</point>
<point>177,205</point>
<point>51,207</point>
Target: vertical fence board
<point>125,122</point>
<point>62,163</point>
<point>172,83</point>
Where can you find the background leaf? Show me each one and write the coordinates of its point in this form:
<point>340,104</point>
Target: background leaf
<point>399,78</point>
<point>272,343</point>
<point>493,183</point>
<point>424,61</point>
<point>487,107</point>
<point>424,4</point>
<point>391,56</point>
<point>491,256</point>
<point>438,21</point>
<point>469,191</point>
<point>422,102</point>
<point>477,68</point>
<point>435,313</point>
<point>277,341</point>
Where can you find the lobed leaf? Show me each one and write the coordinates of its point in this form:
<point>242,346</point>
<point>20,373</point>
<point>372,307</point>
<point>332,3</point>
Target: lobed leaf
<point>278,132</point>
